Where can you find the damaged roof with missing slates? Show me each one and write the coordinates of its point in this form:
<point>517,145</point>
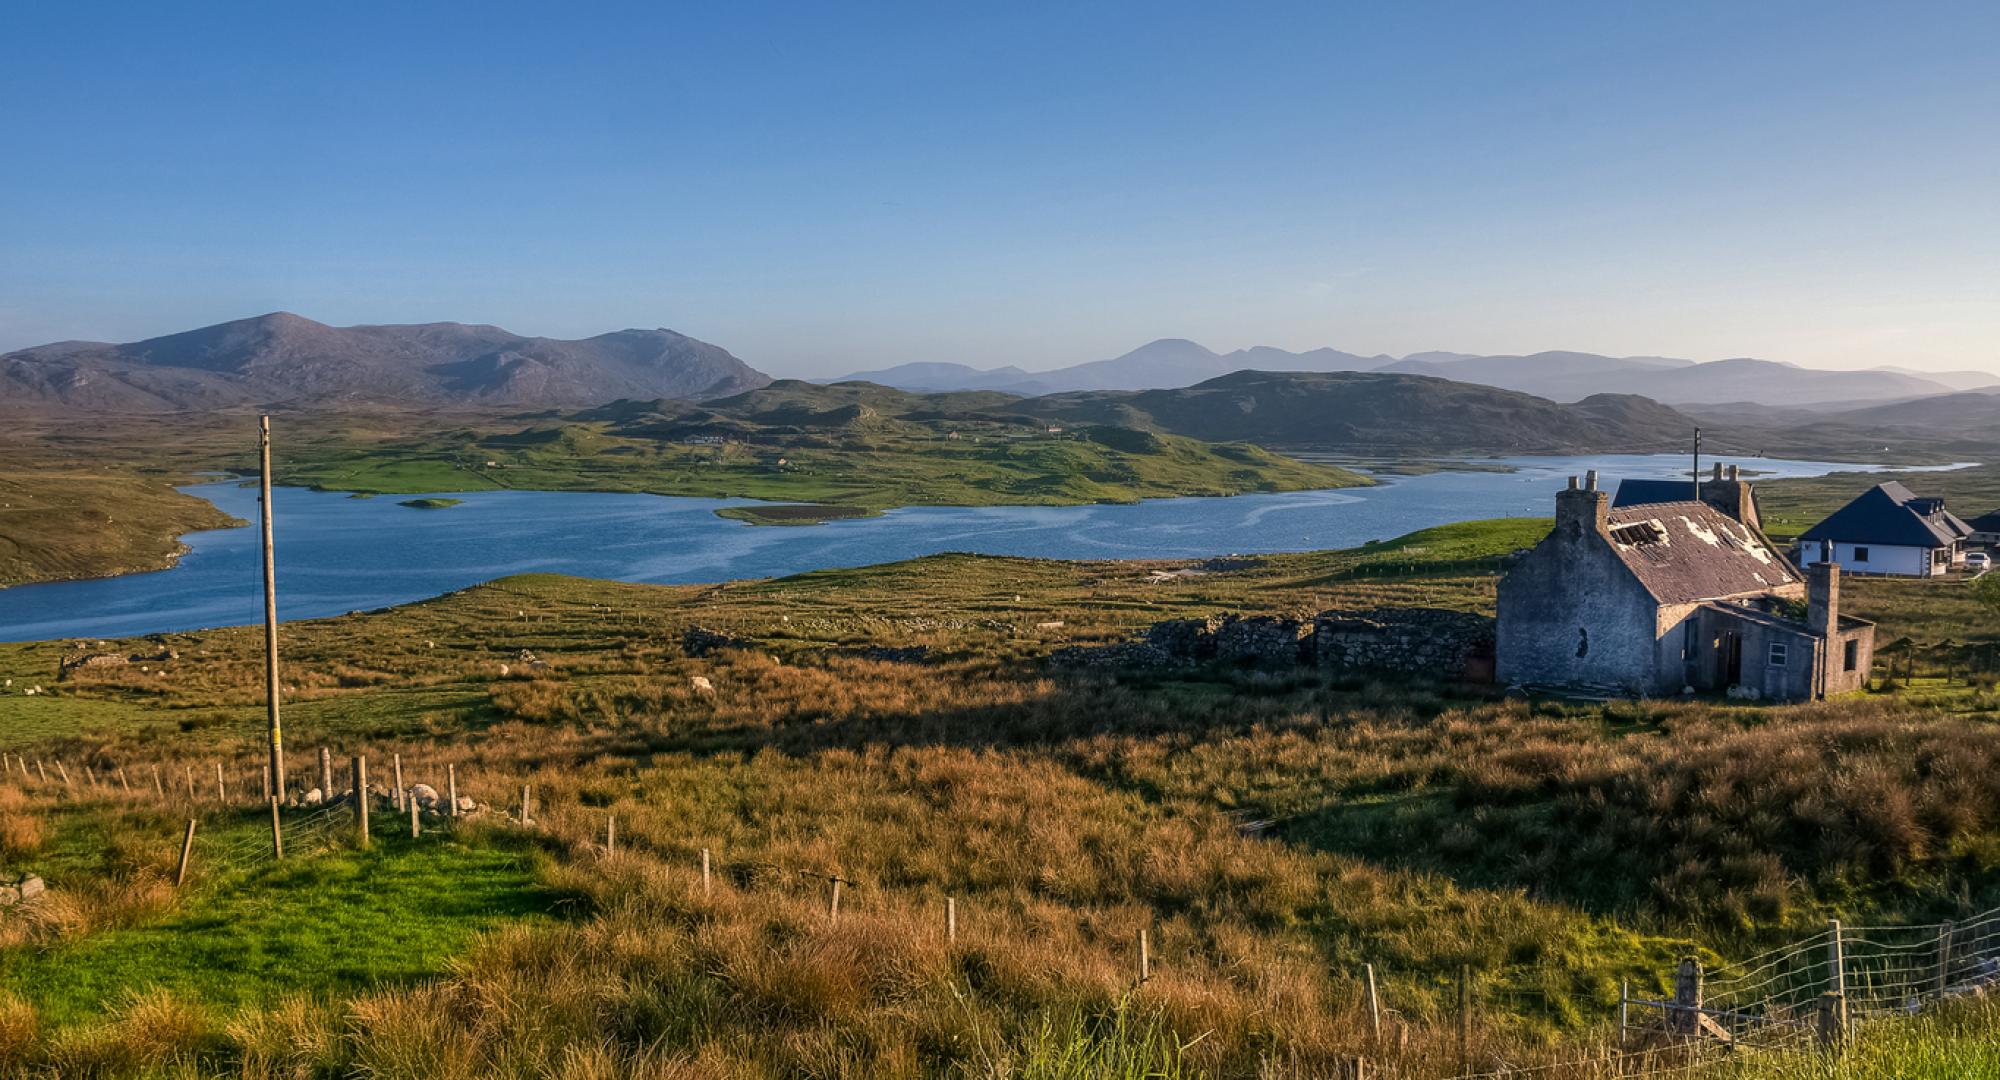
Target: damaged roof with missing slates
<point>1683,552</point>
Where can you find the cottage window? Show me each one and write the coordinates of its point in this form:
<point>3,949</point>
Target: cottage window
<point>1861,554</point>
<point>1779,653</point>
<point>1853,654</point>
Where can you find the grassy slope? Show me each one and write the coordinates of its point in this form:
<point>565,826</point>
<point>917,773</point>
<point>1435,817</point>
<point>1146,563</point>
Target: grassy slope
<point>61,520</point>
<point>1418,828</point>
<point>912,465</point>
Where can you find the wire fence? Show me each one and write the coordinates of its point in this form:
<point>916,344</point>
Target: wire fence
<point>1805,996</point>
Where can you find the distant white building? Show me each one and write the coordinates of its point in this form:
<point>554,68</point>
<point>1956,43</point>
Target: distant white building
<point>1888,529</point>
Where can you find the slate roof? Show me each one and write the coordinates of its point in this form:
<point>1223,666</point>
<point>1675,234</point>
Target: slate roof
<point>1687,551</point>
<point>1985,523</point>
<point>1647,492</point>
<point>1883,515</point>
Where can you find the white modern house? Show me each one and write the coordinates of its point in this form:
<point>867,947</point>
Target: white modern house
<point>1888,529</point>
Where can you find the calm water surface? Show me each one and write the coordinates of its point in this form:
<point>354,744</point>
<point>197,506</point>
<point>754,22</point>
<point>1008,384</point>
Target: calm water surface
<point>338,554</point>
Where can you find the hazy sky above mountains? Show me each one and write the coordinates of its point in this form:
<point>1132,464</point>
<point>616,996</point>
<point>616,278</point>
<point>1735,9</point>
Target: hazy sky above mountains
<point>822,188</point>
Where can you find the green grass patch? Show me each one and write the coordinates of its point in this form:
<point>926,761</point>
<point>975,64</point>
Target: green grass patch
<point>336,923</point>
<point>430,504</point>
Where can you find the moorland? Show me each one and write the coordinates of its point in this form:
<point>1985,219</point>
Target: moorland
<point>902,728</point>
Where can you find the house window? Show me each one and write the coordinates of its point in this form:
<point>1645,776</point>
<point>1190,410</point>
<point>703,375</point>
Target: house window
<point>1861,554</point>
<point>1779,653</point>
<point>1690,638</point>
<point>1852,658</point>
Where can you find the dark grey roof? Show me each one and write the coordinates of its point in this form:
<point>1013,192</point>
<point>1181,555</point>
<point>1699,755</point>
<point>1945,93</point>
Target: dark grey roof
<point>1985,523</point>
<point>1883,515</point>
<point>1644,492</point>
<point>1688,551</point>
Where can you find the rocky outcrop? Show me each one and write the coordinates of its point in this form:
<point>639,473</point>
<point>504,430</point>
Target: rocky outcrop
<point>701,641</point>
<point>15,888</point>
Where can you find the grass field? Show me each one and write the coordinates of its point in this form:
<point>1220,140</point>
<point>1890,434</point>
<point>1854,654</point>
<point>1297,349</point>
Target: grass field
<point>1555,848</point>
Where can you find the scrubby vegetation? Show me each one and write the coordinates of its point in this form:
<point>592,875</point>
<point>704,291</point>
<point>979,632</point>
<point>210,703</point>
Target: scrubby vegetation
<point>1273,832</point>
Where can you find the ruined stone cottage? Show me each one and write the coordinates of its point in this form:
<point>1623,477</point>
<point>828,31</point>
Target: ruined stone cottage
<point>1655,597</point>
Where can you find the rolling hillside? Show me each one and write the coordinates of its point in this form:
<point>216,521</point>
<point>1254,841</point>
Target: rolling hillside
<point>1377,412</point>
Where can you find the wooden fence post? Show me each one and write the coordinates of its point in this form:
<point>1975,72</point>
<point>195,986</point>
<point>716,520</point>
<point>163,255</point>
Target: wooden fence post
<point>159,789</point>
<point>124,785</point>
<point>277,832</point>
<point>187,849</point>
<point>325,774</point>
<point>416,827</point>
<point>1832,1024</point>
<point>1624,1011</point>
<point>90,775</point>
<point>44,772</point>
<point>451,785</point>
<point>1145,957</point>
<point>951,920</point>
<point>1464,1015</point>
<point>704,866</point>
<point>187,774</point>
<point>1374,1006</point>
<point>221,787</point>
<point>65,775</point>
<point>833,898</point>
<point>1944,957</point>
<point>401,793</point>
<point>527,805</point>
<point>611,834</point>
<point>360,769</point>
<point>1687,998</point>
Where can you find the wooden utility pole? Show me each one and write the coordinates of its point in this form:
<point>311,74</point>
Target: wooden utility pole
<point>277,832</point>
<point>270,610</point>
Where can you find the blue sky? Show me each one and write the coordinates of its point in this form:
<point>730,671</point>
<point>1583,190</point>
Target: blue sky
<point>826,187</point>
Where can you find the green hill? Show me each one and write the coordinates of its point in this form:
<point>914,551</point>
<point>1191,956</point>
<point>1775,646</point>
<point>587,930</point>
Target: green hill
<point>1374,412</point>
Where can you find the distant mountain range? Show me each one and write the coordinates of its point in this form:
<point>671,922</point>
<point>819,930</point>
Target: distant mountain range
<point>284,359</point>
<point>1561,376</point>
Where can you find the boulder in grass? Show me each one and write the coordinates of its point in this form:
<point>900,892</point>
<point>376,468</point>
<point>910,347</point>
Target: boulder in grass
<point>701,641</point>
<point>426,796</point>
<point>466,805</point>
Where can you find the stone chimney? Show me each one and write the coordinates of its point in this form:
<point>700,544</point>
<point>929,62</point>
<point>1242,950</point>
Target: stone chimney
<point>1732,495</point>
<point>1585,508</point>
<point>1823,599</point>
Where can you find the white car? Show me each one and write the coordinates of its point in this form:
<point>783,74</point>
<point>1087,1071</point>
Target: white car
<point>1978,560</point>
